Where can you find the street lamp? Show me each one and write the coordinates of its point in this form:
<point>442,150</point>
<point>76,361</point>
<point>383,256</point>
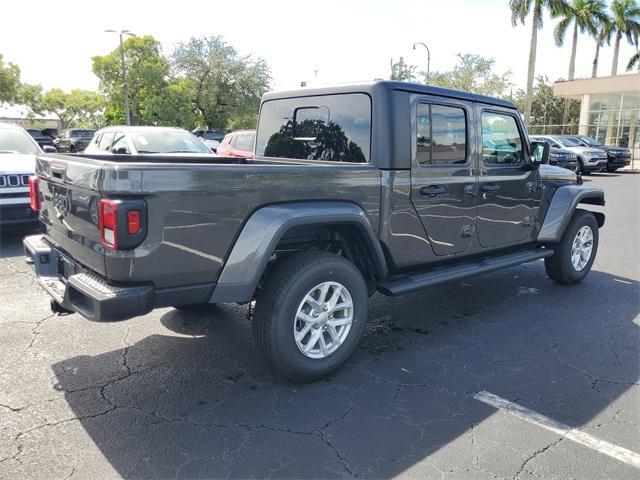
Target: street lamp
<point>127,115</point>
<point>428,55</point>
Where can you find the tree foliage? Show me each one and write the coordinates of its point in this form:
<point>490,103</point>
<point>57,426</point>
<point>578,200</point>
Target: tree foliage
<point>225,87</point>
<point>81,108</point>
<point>475,74</point>
<point>147,72</point>
<point>9,81</point>
<point>546,109</point>
<point>402,72</point>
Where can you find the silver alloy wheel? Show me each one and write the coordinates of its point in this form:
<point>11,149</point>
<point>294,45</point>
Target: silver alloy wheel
<point>323,320</point>
<point>581,248</point>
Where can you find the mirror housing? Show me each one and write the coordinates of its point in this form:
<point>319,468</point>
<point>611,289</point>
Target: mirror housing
<point>49,149</point>
<point>539,151</point>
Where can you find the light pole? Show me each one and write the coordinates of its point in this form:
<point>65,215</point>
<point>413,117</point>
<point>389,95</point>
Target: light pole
<point>127,114</point>
<point>428,55</point>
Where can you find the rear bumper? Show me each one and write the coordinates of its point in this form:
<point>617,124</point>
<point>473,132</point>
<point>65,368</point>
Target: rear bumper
<point>91,296</point>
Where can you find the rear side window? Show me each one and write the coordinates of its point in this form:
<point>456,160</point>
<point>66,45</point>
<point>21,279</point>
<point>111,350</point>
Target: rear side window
<point>244,142</point>
<point>441,135</point>
<point>501,141</point>
<point>335,128</point>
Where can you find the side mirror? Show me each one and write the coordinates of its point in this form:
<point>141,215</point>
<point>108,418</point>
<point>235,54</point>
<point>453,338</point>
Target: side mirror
<point>539,152</point>
<point>49,149</point>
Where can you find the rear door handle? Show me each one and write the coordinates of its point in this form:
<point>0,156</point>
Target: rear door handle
<point>433,190</point>
<point>490,187</point>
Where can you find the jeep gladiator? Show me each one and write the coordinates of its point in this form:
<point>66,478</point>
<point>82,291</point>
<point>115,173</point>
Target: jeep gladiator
<point>383,187</point>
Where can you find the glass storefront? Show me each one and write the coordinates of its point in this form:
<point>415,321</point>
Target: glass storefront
<point>614,119</point>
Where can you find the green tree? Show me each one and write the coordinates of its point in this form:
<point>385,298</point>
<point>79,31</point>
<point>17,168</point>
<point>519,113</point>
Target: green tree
<point>547,109</point>
<point>173,106</point>
<point>625,19</point>
<point>9,81</point>
<point>78,107</point>
<point>147,73</point>
<point>473,73</point>
<point>225,87</point>
<point>633,61</point>
<point>520,10</point>
<point>585,16</point>
<point>402,72</point>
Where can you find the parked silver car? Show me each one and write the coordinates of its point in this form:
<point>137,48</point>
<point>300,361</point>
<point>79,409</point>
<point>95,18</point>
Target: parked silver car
<point>590,159</point>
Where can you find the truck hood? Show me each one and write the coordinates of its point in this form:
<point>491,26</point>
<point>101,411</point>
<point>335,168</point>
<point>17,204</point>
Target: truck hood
<point>17,163</point>
<point>557,174</point>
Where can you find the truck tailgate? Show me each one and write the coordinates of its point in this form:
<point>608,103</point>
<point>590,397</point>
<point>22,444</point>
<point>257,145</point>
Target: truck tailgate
<point>70,196</point>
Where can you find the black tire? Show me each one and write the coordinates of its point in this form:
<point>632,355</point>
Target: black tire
<point>559,266</point>
<point>277,305</point>
<point>72,149</point>
<point>611,169</point>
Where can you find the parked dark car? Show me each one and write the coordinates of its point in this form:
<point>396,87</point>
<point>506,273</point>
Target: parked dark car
<point>561,157</point>
<point>383,187</point>
<point>73,140</point>
<point>238,144</point>
<point>40,138</point>
<point>212,138</point>
<point>617,157</point>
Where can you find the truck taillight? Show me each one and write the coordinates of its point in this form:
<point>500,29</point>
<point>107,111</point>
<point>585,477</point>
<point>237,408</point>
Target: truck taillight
<point>34,193</point>
<point>122,223</point>
<point>108,217</point>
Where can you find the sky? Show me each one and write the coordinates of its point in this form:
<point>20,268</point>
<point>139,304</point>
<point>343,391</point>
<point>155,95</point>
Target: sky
<point>345,41</point>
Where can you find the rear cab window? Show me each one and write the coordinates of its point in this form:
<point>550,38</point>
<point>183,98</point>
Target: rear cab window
<point>334,128</point>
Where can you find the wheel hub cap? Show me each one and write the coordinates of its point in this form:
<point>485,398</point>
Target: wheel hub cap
<point>582,248</point>
<point>323,320</point>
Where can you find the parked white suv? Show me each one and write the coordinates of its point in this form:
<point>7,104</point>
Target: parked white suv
<point>18,152</point>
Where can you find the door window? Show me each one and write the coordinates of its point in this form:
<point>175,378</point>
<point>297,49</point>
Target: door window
<point>501,141</point>
<point>441,135</point>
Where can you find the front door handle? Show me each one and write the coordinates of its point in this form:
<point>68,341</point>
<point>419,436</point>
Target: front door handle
<point>433,190</point>
<point>490,187</point>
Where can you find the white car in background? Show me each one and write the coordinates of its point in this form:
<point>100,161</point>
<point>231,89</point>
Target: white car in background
<point>590,159</point>
<point>164,141</point>
<point>18,151</point>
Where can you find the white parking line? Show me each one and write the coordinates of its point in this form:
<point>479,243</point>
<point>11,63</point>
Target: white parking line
<point>614,451</point>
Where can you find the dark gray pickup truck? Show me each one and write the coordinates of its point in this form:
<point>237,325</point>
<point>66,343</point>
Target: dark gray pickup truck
<point>381,187</point>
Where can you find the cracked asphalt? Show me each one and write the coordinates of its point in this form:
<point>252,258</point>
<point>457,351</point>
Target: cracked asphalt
<point>187,396</point>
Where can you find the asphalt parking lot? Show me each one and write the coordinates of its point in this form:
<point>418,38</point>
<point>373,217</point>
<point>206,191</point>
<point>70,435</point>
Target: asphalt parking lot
<point>187,396</point>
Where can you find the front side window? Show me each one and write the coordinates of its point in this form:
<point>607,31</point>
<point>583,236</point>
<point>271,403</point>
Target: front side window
<point>501,141</point>
<point>105,141</point>
<point>335,128</point>
<point>441,135</point>
<point>120,144</point>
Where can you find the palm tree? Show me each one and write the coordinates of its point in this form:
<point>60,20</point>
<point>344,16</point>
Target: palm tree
<point>634,60</point>
<point>520,10</point>
<point>603,36</point>
<point>586,15</point>
<point>625,17</point>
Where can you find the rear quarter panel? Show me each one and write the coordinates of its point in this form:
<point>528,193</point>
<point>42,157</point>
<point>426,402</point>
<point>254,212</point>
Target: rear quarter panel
<point>197,211</point>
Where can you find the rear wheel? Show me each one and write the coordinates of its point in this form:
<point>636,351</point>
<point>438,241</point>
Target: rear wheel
<point>310,315</point>
<point>575,253</point>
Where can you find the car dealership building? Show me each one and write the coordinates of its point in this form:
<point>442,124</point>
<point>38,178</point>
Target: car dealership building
<point>609,108</point>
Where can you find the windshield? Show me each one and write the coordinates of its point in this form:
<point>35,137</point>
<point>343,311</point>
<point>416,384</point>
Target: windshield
<point>591,142</point>
<point>565,142</point>
<point>81,133</point>
<point>17,141</point>
<point>167,141</point>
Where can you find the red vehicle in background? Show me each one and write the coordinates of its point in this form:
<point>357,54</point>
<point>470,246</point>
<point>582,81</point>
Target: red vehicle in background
<point>239,144</point>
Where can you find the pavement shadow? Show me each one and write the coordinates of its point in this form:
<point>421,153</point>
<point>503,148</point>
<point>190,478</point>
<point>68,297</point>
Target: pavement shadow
<point>199,403</point>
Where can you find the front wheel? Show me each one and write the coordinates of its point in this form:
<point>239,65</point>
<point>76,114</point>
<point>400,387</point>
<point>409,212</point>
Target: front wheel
<point>310,315</point>
<point>575,253</point>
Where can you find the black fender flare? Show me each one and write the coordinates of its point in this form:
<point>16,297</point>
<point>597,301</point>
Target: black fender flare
<point>563,204</point>
<point>264,229</point>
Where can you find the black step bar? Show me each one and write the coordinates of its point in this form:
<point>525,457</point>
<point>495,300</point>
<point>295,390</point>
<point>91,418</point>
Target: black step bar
<point>411,283</point>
